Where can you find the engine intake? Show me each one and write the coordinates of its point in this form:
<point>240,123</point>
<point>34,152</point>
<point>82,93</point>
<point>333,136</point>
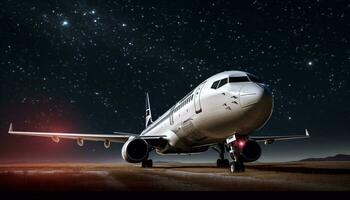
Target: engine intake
<point>135,150</point>
<point>250,151</point>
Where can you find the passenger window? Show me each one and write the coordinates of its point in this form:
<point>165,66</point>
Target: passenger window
<point>215,84</point>
<point>222,82</point>
<point>238,79</point>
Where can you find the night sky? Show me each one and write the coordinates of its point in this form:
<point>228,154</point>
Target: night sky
<point>84,66</point>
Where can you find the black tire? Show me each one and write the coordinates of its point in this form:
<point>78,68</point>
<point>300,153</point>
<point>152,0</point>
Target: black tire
<point>226,163</point>
<point>236,167</point>
<point>223,163</point>
<point>219,163</point>
<point>147,164</point>
<point>233,167</point>
<point>242,167</point>
<point>150,163</point>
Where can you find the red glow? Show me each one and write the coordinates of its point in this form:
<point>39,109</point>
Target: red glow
<point>241,143</point>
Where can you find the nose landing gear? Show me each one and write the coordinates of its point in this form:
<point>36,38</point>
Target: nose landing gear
<point>237,165</point>
<point>234,148</point>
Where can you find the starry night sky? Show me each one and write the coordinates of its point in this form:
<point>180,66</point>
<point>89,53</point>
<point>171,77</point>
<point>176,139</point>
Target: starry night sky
<point>84,66</point>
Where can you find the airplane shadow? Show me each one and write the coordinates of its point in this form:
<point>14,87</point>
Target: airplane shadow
<point>182,166</point>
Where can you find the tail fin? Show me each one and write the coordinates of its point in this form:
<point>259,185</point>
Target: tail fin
<point>148,112</point>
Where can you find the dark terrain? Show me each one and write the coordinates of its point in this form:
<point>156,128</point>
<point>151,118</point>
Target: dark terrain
<point>291,176</point>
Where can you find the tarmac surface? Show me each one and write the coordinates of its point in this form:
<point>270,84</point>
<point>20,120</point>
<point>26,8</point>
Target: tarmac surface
<point>291,176</point>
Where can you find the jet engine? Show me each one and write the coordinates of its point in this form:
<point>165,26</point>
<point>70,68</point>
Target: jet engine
<point>250,150</point>
<point>135,150</point>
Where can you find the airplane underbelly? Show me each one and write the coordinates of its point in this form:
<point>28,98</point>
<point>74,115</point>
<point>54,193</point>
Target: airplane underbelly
<point>189,135</point>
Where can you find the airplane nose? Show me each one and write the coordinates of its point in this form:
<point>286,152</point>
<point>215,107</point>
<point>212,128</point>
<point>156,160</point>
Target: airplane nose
<point>253,93</point>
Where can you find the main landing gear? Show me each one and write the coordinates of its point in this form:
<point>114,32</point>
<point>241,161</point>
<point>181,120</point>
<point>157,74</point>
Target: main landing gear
<point>147,163</point>
<point>222,162</point>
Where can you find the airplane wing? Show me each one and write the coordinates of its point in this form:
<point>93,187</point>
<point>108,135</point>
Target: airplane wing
<point>116,137</point>
<point>271,139</point>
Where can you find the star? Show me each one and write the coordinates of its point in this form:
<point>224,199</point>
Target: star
<point>289,118</point>
<point>123,25</point>
<point>65,23</point>
<point>310,63</point>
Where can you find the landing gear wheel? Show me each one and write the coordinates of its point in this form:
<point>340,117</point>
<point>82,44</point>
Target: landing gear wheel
<point>222,163</point>
<point>242,167</point>
<point>218,163</point>
<point>232,167</point>
<point>226,163</point>
<point>147,164</point>
<point>237,166</point>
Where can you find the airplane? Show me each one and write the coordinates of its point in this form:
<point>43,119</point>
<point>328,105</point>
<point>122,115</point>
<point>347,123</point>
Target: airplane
<point>221,113</point>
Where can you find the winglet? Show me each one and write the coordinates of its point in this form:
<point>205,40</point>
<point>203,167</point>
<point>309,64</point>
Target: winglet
<point>307,133</point>
<point>10,128</point>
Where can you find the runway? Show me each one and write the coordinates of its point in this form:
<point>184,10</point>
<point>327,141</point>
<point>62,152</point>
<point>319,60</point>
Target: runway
<point>292,176</point>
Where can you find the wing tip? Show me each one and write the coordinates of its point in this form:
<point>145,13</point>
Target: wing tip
<point>10,128</point>
<point>307,133</point>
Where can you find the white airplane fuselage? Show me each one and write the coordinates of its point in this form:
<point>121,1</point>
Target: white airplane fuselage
<point>210,115</point>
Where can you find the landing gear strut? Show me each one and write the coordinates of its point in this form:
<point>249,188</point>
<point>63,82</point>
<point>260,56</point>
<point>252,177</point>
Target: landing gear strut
<point>237,165</point>
<point>222,162</point>
<point>147,163</point>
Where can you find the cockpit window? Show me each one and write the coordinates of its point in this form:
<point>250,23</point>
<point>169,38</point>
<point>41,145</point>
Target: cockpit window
<point>215,84</point>
<point>255,78</point>
<point>238,79</point>
<point>222,82</point>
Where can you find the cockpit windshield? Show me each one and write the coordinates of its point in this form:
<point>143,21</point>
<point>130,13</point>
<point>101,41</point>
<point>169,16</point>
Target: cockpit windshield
<point>255,79</point>
<point>238,79</point>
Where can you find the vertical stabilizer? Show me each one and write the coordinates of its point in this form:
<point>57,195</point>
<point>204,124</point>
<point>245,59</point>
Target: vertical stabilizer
<point>148,112</point>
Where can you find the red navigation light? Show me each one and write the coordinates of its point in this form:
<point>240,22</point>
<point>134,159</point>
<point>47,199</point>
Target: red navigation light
<point>241,143</point>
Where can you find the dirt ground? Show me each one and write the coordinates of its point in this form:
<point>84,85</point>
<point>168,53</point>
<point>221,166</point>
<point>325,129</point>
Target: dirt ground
<point>292,176</point>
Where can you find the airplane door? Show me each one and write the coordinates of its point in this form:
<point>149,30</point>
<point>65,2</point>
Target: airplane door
<point>197,100</point>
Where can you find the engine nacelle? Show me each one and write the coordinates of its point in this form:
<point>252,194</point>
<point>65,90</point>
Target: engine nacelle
<point>250,150</point>
<point>135,150</point>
